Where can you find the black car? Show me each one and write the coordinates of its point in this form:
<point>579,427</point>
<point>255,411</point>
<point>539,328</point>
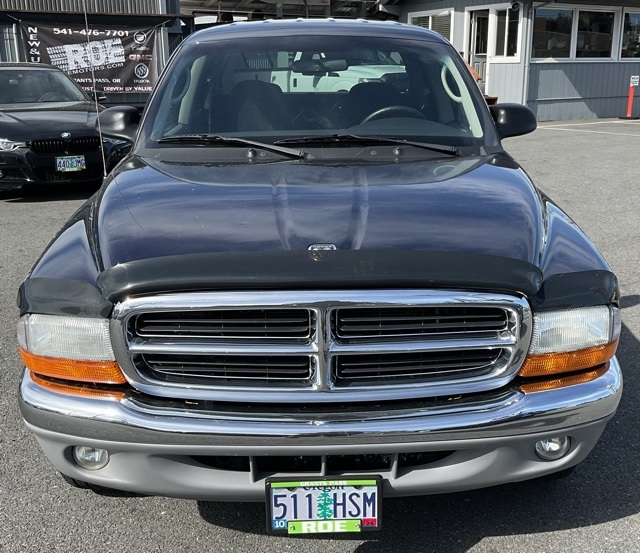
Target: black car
<point>318,296</point>
<point>47,129</point>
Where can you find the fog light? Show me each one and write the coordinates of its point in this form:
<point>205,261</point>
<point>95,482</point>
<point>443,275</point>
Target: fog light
<point>1,173</point>
<point>553,449</point>
<point>90,458</point>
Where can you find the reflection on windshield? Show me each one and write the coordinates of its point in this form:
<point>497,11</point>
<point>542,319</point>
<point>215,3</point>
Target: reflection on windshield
<point>32,86</point>
<point>278,88</point>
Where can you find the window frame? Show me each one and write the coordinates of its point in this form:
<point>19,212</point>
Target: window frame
<point>493,34</point>
<point>431,14</point>
<point>616,38</point>
<point>620,57</point>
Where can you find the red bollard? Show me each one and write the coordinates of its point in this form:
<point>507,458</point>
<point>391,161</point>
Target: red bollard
<point>633,83</point>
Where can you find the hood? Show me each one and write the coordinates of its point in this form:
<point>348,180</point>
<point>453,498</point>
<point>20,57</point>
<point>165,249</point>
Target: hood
<point>45,122</point>
<point>475,205</point>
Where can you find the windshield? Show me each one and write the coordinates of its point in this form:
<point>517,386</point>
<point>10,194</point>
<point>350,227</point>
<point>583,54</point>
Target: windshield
<point>32,86</point>
<point>276,89</point>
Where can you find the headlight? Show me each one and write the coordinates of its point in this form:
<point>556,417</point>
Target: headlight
<point>114,141</point>
<point>7,145</point>
<point>572,340</point>
<point>70,348</point>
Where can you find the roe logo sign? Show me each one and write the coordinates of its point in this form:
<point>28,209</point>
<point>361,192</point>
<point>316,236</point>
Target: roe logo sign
<point>111,58</point>
<point>81,57</point>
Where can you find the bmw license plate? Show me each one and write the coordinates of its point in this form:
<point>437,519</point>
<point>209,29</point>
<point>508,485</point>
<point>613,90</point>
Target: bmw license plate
<point>319,506</point>
<point>70,163</point>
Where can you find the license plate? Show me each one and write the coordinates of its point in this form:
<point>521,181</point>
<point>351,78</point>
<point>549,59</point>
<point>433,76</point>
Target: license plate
<point>70,163</point>
<point>321,506</point>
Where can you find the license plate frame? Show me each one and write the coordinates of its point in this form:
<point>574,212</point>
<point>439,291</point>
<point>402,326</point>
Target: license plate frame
<point>303,486</point>
<point>70,164</point>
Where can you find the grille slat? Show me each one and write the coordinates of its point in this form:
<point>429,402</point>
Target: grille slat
<point>360,323</point>
<point>257,369</point>
<point>286,324</point>
<point>350,369</point>
<point>450,362</point>
<point>58,146</point>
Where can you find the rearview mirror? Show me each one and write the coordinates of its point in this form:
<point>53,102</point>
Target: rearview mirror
<point>319,66</point>
<point>513,119</point>
<point>119,122</point>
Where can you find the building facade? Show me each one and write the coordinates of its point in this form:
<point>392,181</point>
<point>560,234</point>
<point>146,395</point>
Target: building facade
<point>565,60</point>
<point>569,59</point>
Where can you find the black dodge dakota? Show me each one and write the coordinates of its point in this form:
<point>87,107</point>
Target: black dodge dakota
<point>317,289</point>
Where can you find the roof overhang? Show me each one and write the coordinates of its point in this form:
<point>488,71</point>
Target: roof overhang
<point>257,9</point>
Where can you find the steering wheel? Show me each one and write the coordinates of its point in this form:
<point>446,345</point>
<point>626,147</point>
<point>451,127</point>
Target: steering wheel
<point>52,97</point>
<point>393,111</point>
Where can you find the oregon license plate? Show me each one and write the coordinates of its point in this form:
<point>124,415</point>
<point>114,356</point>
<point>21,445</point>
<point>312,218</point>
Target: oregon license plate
<point>351,504</point>
<point>70,163</point>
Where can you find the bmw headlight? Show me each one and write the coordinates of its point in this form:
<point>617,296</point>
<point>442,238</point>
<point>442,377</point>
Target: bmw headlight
<point>7,145</point>
<point>114,141</point>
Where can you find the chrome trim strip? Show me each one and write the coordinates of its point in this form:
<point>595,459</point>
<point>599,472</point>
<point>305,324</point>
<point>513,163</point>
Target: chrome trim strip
<point>423,345</point>
<point>514,341</point>
<point>512,413</point>
<point>222,349</point>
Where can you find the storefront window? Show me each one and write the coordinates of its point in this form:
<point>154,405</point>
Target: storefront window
<point>552,33</point>
<point>441,23</point>
<point>631,36</point>
<point>507,33</point>
<point>595,34</point>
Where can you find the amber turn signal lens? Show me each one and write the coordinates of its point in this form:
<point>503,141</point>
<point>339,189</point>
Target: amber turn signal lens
<point>564,381</point>
<point>555,363</point>
<point>102,372</point>
<point>70,389</point>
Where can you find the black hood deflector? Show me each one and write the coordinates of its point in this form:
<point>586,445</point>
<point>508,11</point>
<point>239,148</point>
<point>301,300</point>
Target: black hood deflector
<point>318,270</point>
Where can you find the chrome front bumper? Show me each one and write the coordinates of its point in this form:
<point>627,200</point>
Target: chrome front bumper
<point>152,448</point>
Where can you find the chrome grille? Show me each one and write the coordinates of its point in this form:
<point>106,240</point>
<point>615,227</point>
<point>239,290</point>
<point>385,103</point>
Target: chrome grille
<point>390,322</point>
<point>320,346</point>
<point>56,146</point>
<point>423,366</point>
<point>228,369</point>
<point>249,324</point>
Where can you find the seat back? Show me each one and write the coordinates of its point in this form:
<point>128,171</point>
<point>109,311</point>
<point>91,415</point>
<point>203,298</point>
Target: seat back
<point>258,106</point>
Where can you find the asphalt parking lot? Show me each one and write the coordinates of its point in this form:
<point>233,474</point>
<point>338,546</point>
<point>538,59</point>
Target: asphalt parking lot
<point>592,170</point>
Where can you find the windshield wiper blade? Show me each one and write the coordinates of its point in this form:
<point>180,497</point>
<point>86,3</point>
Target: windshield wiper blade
<point>232,141</point>
<point>353,138</point>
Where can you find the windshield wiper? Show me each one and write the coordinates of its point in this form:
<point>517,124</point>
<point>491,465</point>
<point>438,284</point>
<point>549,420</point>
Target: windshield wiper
<point>355,139</point>
<point>232,141</point>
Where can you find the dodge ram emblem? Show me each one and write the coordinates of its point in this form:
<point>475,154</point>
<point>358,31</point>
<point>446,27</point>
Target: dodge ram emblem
<point>322,247</point>
<point>66,135</point>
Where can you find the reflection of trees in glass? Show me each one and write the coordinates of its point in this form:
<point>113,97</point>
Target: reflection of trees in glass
<point>595,34</point>
<point>552,33</point>
<point>631,36</point>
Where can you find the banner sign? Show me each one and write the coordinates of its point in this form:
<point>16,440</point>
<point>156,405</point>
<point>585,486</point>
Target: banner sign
<point>123,58</point>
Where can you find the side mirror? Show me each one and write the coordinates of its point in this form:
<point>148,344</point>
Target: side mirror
<point>119,122</point>
<point>513,119</point>
<point>97,96</point>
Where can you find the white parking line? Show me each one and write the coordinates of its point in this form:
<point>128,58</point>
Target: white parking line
<point>566,124</point>
<point>559,128</point>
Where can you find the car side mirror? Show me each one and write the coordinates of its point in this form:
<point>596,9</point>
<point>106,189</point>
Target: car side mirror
<point>97,96</point>
<point>119,122</point>
<point>513,119</point>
